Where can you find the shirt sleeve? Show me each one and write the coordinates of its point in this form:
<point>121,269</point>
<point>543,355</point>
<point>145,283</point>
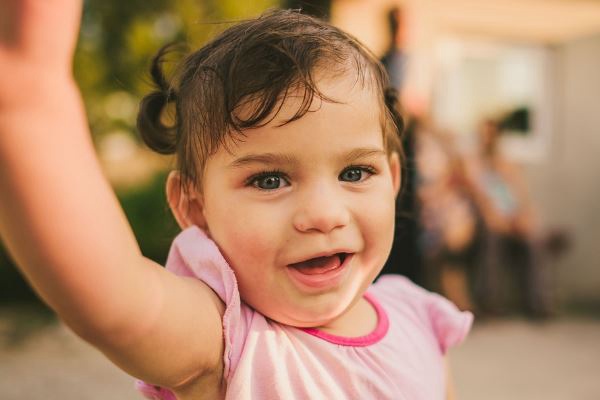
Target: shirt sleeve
<point>450,325</point>
<point>194,254</point>
<point>437,314</point>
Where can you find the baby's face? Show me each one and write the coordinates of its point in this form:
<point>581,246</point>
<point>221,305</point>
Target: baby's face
<point>304,212</point>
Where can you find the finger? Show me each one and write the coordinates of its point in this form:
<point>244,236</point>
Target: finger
<point>42,29</point>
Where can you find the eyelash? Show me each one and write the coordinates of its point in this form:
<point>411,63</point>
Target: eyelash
<point>369,169</point>
<point>252,180</point>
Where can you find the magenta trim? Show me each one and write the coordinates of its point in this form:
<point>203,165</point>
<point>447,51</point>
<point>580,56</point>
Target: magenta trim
<point>378,333</point>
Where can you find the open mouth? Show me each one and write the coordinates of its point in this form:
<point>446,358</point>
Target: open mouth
<point>320,265</point>
<point>321,273</point>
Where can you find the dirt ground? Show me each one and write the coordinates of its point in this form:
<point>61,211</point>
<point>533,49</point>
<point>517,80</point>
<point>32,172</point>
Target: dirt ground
<point>502,359</point>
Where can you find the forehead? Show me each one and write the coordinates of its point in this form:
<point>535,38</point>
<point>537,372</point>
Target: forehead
<point>349,114</point>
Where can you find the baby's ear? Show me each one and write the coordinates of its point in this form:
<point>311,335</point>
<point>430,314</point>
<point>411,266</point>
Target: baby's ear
<point>395,170</point>
<point>186,205</point>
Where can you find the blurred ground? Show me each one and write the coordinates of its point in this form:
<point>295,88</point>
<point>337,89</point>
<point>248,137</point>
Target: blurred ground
<point>502,359</point>
<point>524,360</point>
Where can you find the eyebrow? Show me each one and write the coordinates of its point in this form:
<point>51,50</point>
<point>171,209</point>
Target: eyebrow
<point>283,159</point>
<point>264,158</point>
<point>363,153</point>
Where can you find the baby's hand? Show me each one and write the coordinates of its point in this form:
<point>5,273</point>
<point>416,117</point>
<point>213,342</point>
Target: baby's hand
<point>37,40</point>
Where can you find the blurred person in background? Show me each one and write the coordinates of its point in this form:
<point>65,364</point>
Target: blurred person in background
<point>448,220</point>
<point>394,59</point>
<point>434,234</point>
<point>405,257</point>
<point>510,236</point>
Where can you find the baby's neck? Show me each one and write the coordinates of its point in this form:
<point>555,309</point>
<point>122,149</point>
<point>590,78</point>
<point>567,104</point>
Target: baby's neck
<point>359,320</point>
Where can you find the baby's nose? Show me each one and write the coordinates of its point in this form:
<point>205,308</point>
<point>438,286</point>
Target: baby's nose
<point>321,210</point>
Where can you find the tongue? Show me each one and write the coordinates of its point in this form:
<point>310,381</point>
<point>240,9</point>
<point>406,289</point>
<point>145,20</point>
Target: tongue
<point>318,265</point>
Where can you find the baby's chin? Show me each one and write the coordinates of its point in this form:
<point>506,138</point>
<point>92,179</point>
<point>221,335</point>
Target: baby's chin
<point>305,321</point>
<point>308,315</point>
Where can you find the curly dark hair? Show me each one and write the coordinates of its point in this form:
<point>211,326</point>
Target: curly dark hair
<point>257,62</point>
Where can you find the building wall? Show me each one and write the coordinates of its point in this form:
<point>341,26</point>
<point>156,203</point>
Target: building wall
<point>566,184</point>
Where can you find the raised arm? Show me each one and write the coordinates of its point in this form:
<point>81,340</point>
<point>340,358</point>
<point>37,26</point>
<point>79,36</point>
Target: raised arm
<point>61,221</point>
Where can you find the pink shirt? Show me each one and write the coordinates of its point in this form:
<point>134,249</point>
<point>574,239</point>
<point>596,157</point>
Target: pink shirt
<point>403,358</point>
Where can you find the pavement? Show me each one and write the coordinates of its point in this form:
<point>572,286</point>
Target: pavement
<point>502,359</point>
<point>524,360</point>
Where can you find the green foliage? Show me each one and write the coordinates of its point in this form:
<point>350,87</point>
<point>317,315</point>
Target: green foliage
<point>12,285</point>
<point>151,220</point>
<point>119,38</point>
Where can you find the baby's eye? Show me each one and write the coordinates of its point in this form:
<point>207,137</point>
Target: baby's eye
<point>269,181</point>
<point>356,174</point>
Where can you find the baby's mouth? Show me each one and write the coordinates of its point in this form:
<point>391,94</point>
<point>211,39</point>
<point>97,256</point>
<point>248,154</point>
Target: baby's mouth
<point>320,265</point>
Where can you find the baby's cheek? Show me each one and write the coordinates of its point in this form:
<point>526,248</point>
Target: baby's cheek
<point>380,224</point>
<point>247,245</point>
